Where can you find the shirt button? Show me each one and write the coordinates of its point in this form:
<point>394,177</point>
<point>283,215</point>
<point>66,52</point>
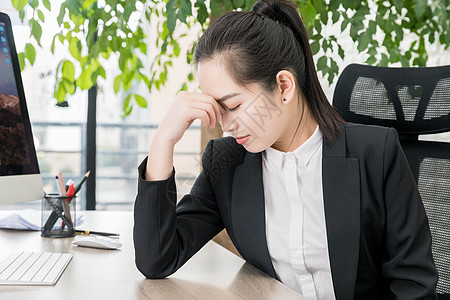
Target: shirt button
<point>289,156</point>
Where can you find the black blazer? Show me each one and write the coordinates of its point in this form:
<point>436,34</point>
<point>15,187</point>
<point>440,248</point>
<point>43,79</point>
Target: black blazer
<point>379,241</point>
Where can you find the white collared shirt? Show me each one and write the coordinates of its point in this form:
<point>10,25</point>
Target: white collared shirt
<point>295,218</point>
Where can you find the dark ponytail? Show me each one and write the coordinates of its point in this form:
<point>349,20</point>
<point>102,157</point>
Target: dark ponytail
<point>256,45</point>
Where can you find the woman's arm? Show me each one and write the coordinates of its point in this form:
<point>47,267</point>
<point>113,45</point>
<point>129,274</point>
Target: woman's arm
<point>166,235</point>
<point>409,267</point>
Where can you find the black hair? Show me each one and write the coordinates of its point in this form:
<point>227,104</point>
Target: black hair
<point>257,44</point>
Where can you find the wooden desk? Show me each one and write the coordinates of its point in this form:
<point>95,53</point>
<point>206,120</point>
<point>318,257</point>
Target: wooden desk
<point>213,273</point>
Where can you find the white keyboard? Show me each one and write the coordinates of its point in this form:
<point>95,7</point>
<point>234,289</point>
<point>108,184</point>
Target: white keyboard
<point>33,268</point>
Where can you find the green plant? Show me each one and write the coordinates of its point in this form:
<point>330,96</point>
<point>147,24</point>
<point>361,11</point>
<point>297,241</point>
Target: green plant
<point>92,32</point>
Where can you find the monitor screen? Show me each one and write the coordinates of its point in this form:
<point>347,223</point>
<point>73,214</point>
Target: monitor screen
<point>17,153</point>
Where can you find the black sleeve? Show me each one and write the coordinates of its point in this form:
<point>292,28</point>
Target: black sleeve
<point>165,234</point>
<point>409,266</point>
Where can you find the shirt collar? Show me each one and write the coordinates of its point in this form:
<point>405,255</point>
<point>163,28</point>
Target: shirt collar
<point>302,154</point>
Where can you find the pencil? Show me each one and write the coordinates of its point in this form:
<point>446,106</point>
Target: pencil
<point>87,232</point>
<point>78,187</point>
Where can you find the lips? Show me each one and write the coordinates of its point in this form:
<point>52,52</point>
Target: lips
<point>242,139</point>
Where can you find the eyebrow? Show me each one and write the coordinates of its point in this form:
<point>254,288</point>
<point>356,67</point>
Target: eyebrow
<point>226,97</point>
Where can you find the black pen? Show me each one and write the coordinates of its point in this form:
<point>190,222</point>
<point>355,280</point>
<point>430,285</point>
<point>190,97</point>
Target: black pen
<point>87,232</point>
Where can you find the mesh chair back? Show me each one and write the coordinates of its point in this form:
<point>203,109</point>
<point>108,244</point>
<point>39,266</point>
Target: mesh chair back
<point>414,101</point>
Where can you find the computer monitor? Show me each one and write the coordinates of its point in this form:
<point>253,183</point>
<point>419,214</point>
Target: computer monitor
<point>20,179</point>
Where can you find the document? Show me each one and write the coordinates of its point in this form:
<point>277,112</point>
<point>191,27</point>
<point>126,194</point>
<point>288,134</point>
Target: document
<point>27,219</point>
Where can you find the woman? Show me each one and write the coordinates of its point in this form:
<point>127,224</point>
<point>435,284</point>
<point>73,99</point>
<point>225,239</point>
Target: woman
<point>329,209</point>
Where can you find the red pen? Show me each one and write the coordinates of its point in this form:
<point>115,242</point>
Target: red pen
<point>71,192</point>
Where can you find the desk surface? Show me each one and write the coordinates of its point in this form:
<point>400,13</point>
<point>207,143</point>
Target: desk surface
<point>213,273</point>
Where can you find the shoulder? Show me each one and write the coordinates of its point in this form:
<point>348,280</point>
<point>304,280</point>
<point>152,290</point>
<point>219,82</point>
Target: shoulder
<point>369,138</point>
<point>223,153</point>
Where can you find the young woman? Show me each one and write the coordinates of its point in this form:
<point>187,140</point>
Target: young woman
<point>329,209</point>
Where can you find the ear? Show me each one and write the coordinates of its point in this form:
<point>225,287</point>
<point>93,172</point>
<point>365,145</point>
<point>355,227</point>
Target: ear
<point>286,85</point>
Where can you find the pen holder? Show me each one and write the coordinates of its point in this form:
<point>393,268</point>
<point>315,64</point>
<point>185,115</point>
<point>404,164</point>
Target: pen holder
<point>58,216</point>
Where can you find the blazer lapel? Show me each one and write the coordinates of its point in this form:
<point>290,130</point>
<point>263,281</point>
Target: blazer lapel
<point>341,193</point>
<point>248,213</point>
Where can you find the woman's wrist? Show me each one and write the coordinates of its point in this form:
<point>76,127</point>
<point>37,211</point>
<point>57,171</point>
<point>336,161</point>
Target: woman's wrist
<point>160,159</point>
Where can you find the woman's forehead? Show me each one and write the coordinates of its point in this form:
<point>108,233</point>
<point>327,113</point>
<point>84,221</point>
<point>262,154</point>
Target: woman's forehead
<point>215,80</point>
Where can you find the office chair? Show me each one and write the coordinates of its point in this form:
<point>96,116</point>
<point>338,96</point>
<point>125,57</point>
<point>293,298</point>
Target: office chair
<point>415,101</point>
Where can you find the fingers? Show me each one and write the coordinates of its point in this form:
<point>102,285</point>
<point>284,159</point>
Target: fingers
<point>202,115</point>
<point>206,103</point>
<point>212,111</point>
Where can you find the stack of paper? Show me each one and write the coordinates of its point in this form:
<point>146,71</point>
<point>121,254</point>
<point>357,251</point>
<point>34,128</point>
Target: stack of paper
<point>27,219</point>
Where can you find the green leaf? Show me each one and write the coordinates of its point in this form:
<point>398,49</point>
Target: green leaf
<point>315,47</point>
<point>126,102</point>
<point>36,30</point>
<point>21,57</point>
<point>176,49</point>
<point>227,5</point>
<point>202,14</point>
<point>420,8</point>
<point>22,15</point>
<point>30,53</point>
<point>352,4</point>
<point>382,10</point>
<point>143,48</point>
<point>69,86</point>
<point>344,24</point>
<point>68,70</point>
<point>52,48</point>
<point>186,7</point>
<point>33,3</point>
<point>171,20</point>
<point>322,63</point>
<point>341,52</point>
<point>183,87</point>
<point>336,16</point>
<point>60,92</point>
<point>308,13</point>
<point>404,61</point>
<point>85,79</point>
<point>181,15</point>
<point>47,4</point>
<point>372,26</point>
<point>101,71</point>
<point>238,3</point>
<point>215,8</point>
<point>318,25</point>
<point>398,4</point>
<point>19,4</point>
<point>75,48</point>
<point>398,32</point>
<point>41,16</point>
<point>117,82</point>
<point>62,13</point>
<point>319,5</point>
<point>127,112</point>
<point>130,7</point>
<point>140,100</point>
<point>384,60</point>
<point>364,40</point>
<point>371,60</point>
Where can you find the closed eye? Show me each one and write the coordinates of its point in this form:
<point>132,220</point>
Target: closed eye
<point>234,108</point>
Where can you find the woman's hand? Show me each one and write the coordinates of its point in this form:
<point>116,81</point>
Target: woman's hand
<point>186,107</point>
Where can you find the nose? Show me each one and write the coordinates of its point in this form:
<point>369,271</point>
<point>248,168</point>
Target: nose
<point>229,123</point>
